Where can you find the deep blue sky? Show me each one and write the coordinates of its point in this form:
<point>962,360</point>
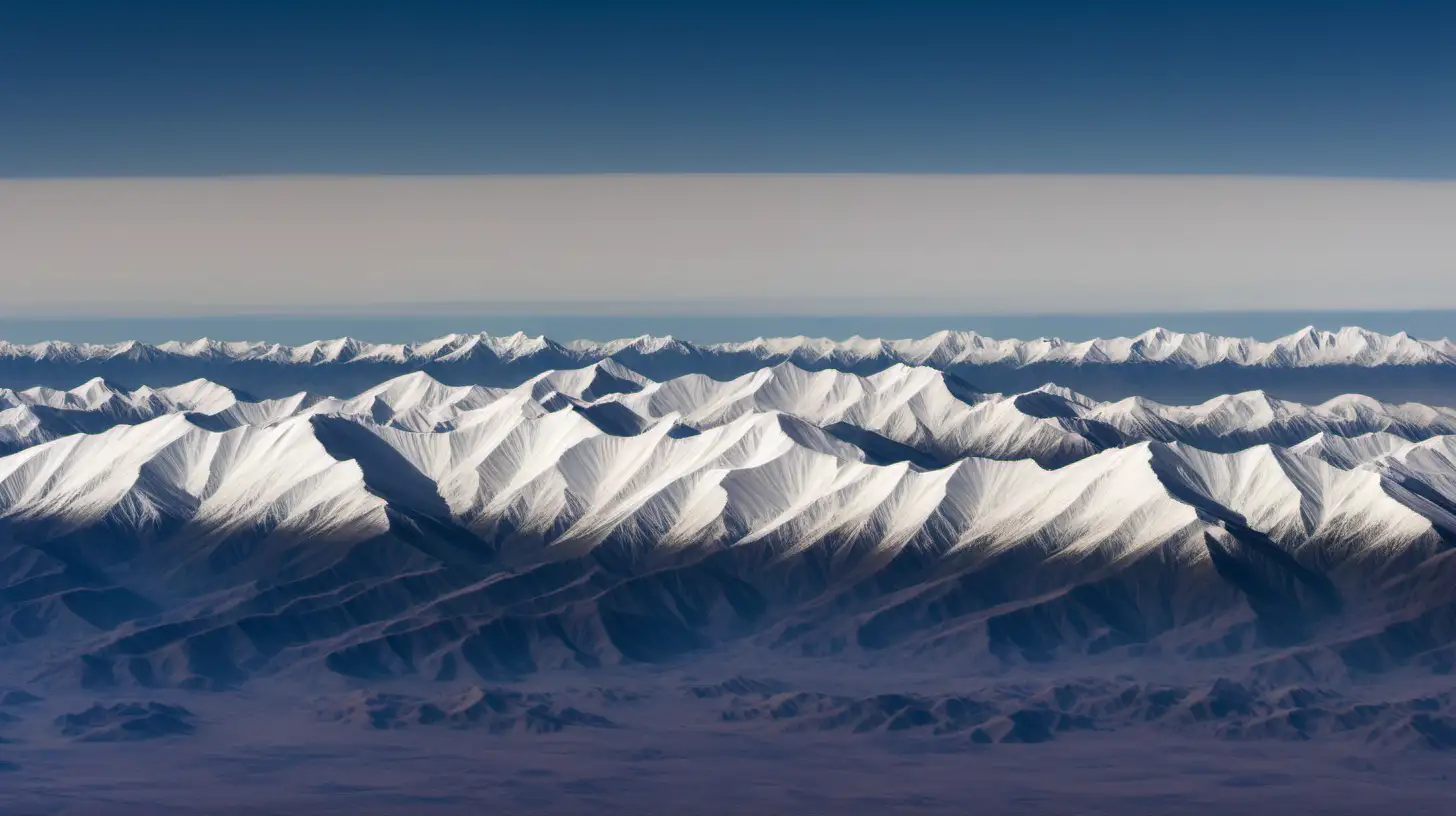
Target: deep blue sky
<point>1319,87</point>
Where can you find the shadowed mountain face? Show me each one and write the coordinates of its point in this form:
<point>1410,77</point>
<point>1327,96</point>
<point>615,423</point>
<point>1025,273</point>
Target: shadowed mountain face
<point>792,552</point>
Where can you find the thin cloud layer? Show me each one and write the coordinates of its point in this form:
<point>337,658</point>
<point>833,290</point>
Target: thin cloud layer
<point>734,244</point>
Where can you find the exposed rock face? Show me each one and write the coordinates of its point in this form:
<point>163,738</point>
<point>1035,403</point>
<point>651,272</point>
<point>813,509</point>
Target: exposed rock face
<point>495,710</point>
<point>127,722</point>
<point>1031,713</point>
<point>18,697</point>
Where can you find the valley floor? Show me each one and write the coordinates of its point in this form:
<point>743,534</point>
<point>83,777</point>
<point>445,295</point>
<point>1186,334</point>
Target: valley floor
<point>684,740</point>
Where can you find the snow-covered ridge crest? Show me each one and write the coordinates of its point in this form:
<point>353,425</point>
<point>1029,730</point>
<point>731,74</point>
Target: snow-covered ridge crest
<point>763,458</point>
<point>1304,348</point>
<point>556,479</point>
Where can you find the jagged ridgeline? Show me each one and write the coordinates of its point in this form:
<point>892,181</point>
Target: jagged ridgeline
<point>490,507</point>
<point>1309,365</point>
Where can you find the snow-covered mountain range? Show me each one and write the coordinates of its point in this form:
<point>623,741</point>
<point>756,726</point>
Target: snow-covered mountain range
<point>909,413</point>
<point>1307,347</point>
<point>514,474</point>
<point>1309,365</point>
<point>191,534</point>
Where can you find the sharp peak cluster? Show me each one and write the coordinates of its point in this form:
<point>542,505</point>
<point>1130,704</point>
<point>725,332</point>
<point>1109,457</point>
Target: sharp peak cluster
<point>1304,348</point>
<point>575,458</point>
<point>558,484</point>
<point>902,412</point>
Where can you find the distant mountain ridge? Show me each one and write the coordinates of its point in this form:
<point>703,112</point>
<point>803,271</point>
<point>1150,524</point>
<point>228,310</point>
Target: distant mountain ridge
<point>1308,366</point>
<point>1307,347</point>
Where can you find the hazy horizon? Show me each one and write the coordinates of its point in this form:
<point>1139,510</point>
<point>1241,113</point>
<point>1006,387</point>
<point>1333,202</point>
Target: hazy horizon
<point>755,244</point>
<point>1432,324</point>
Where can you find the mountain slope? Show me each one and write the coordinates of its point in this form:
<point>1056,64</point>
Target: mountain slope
<point>559,538</point>
<point>902,413</point>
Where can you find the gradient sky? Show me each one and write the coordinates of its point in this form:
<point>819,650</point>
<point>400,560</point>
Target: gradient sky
<point>747,158</point>
<point>205,87</point>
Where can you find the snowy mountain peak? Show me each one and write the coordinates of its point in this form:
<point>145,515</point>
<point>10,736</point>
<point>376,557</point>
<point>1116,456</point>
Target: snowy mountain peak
<point>1306,347</point>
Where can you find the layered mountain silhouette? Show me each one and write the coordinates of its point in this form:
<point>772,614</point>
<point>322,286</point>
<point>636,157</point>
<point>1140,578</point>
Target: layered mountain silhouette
<point>884,575</point>
<point>197,536</point>
<point>1310,365</point>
